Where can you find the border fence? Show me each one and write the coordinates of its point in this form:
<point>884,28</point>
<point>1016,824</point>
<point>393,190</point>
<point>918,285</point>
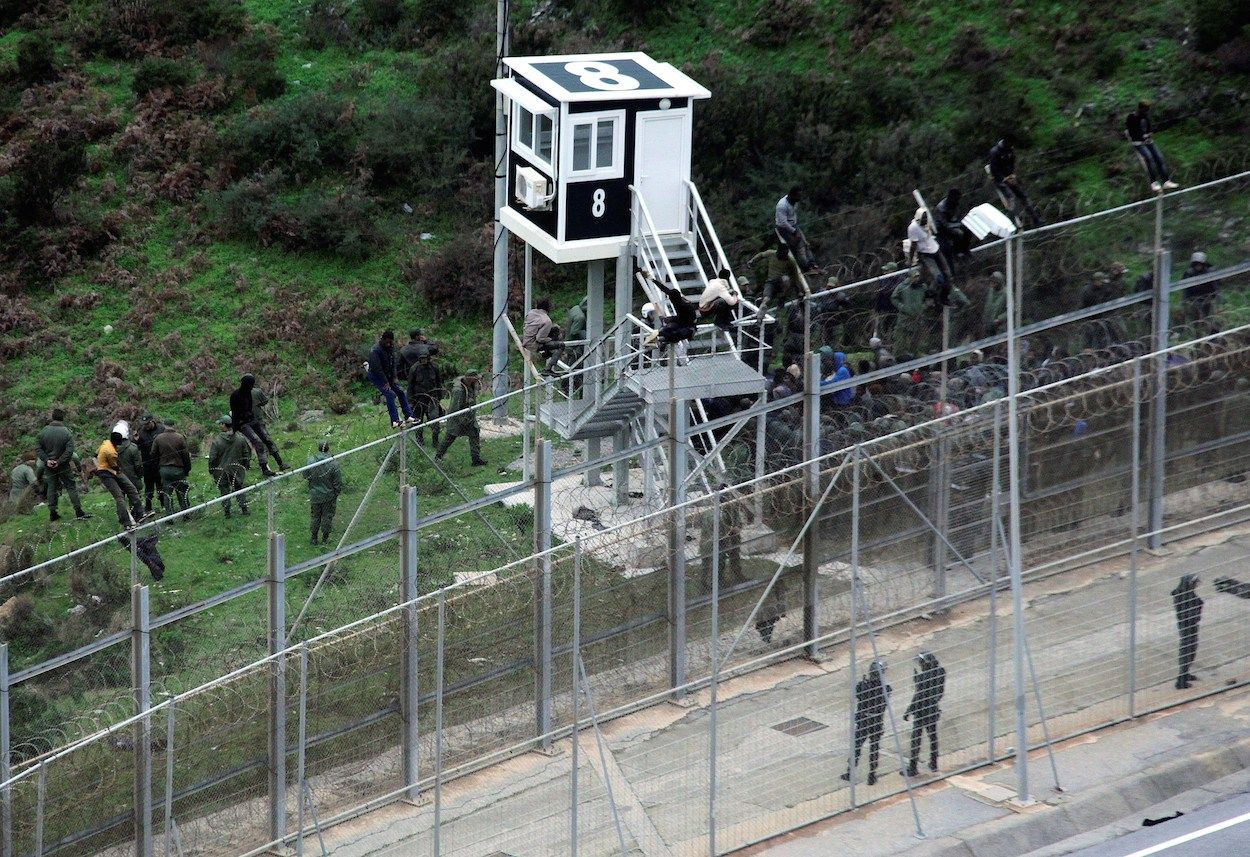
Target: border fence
<point>505,637</point>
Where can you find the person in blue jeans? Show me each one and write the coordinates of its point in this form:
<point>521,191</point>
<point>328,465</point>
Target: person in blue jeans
<point>380,369</point>
<point>1141,135</point>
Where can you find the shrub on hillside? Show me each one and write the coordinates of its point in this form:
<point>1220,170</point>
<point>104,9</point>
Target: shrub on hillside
<point>1217,21</point>
<point>36,60</point>
<point>777,22</point>
<point>302,136</point>
<point>252,64</point>
<point>416,145</point>
<point>456,277</point>
<point>38,167</point>
<point>126,29</point>
<point>160,73</point>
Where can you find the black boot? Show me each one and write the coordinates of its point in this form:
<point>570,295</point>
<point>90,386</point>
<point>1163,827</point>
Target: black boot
<point>872,778</point>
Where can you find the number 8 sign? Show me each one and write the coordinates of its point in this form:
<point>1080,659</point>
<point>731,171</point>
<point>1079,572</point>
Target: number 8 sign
<point>601,75</point>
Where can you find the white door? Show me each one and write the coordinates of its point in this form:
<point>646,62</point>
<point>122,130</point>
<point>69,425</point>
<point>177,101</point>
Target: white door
<point>662,165</point>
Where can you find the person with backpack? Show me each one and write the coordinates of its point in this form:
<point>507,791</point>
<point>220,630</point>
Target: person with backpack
<point>871,700</point>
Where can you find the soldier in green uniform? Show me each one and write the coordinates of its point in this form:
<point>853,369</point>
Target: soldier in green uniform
<point>325,483</point>
<point>229,457</point>
<point>22,480</point>
<point>730,570</point>
<point>463,420</point>
<point>130,459</point>
<point>56,456</point>
<point>910,298</point>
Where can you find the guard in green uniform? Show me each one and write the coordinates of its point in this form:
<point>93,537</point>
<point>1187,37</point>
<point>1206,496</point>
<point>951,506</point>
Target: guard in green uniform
<point>325,483</point>
<point>463,419</point>
<point>229,457</point>
<point>55,448</point>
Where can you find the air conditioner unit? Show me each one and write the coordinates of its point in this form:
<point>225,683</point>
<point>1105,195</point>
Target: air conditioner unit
<point>533,189</point>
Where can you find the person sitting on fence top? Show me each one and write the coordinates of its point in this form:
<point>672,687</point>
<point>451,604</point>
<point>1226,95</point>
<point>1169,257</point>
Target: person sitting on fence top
<point>1141,136</point>
<point>932,262</point>
<point>681,325</point>
<point>953,238</point>
<point>786,223</point>
<point>1201,298</point>
<point>541,337</point>
<point>1002,168</point>
<point>380,370</point>
<point>718,300</point>
<point>781,275</point>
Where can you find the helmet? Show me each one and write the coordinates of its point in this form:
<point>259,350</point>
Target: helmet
<point>1199,258</point>
<point>648,309</point>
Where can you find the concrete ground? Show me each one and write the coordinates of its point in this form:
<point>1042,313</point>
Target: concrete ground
<point>782,737</point>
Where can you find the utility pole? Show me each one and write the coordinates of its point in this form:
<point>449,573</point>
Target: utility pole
<point>499,350</point>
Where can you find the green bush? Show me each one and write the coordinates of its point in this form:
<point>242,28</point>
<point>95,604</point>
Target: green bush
<point>304,136</point>
<point>1217,21</point>
<point>416,145</point>
<point>158,73</point>
<point>126,29</point>
<point>36,59</point>
<point>253,64</point>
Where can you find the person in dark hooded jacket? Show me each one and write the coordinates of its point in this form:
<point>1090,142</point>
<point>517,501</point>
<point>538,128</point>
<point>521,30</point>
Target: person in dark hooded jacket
<point>930,682</point>
<point>871,698</point>
<point>243,420</point>
<point>841,372</point>
<point>1188,614</point>
<point>381,373</point>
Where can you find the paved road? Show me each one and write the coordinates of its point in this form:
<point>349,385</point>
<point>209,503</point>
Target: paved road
<point>1222,829</point>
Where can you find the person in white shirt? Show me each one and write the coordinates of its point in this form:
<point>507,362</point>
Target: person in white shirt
<point>719,301</point>
<point>935,266</point>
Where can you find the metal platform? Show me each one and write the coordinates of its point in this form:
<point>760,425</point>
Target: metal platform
<point>704,377</point>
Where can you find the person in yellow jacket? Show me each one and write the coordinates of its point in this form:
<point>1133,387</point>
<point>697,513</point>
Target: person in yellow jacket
<point>109,472</point>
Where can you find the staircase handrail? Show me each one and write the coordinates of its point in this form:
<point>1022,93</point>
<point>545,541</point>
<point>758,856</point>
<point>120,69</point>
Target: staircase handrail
<point>703,219</point>
<point>654,234</point>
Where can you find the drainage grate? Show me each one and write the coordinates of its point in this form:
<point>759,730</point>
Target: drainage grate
<point>800,726</point>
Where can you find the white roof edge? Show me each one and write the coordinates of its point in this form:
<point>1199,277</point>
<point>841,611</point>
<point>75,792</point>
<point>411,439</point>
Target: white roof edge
<point>690,88</point>
<point>518,94</point>
<point>561,252</point>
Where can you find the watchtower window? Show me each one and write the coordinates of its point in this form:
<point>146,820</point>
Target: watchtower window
<point>535,135</point>
<point>598,146</point>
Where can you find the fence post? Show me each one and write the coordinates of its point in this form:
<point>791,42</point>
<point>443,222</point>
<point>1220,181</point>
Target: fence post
<point>850,645</point>
<point>712,705</point>
<point>594,331</point>
<point>811,541</point>
<point>410,689</point>
<point>1160,311</point>
<point>542,593</point>
<point>6,798</point>
<point>168,826</point>
<point>1134,523</point>
<point>276,584</point>
<point>620,469</point>
<point>577,692</point>
<point>301,757</point>
<point>141,681</point>
<point>676,544</point>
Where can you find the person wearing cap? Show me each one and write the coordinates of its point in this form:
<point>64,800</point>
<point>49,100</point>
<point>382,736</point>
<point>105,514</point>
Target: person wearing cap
<point>229,456</point>
<point>1097,290</point>
<point>1141,136</point>
<point>174,460</point>
<point>1201,298</point>
<point>243,420</point>
<point>1188,608</point>
<point>909,299</point>
<point>149,428</point>
<point>463,419</point>
<point>123,491</point>
<point>953,238</point>
<point>924,245</point>
<point>929,680</point>
<point>425,393</point>
<point>871,700</point>
<point>380,369</point>
<point>325,483</point>
<point>55,450</point>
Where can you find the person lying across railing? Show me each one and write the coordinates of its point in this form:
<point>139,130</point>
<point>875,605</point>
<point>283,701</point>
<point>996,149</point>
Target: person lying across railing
<point>681,325</point>
<point>718,301</point>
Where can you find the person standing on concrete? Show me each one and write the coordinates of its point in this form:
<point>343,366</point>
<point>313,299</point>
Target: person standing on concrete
<point>243,420</point>
<point>229,456</point>
<point>325,483</point>
<point>148,431</point>
<point>55,449</point>
<point>871,696</point>
<point>1188,614</point>
<point>174,460</point>
<point>123,491</point>
<point>930,684</point>
<point>463,419</point>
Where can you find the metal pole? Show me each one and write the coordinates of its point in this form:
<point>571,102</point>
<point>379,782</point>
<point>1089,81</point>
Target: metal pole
<point>141,677</point>
<point>711,790</point>
<point>499,350</point>
<point>410,690</point>
<point>677,542</point>
<point>301,753</point>
<point>594,332</point>
<point>269,489</point>
<point>403,458</point>
<point>169,775</point>
<point>577,653</point>
<point>276,585</point>
<point>1134,526</point>
<point>438,724</point>
<point>941,486</point>
<point>1013,513</point>
<point>527,466</point>
<point>1159,400</point>
<point>542,593</point>
<point>811,451</point>
<point>41,799</point>
<point>851,764</point>
<point>995,513</point>
<point>620,469</point>
<point>6,796</point>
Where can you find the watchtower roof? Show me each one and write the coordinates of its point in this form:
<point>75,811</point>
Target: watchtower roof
<point>621,76</point>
